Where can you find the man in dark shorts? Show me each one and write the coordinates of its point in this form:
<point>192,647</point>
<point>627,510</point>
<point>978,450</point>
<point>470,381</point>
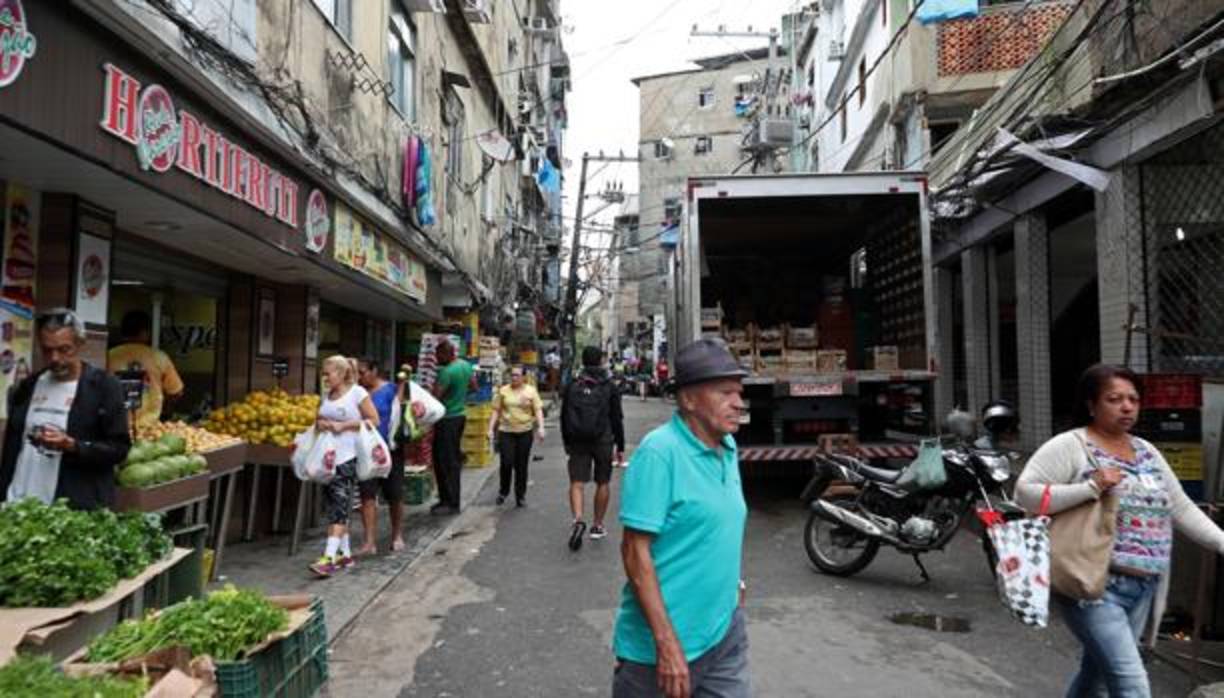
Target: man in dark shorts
<point>384,395</point>
<point>591,425</point>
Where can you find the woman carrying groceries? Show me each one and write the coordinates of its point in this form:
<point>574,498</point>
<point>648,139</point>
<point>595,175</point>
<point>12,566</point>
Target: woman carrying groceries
<point>517,411</point>
<point>345,406</point>
<point>1077,467</point>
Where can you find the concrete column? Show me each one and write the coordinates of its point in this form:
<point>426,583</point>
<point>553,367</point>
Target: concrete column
<point>945,310</point>
<point>1120,268</point>
<point>974,276</point>
<point>992,285</point>
<point>1033,329</point>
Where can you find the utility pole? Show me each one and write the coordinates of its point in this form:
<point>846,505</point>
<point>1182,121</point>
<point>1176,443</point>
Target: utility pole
<point>569,313</point>
<point>770,86</point>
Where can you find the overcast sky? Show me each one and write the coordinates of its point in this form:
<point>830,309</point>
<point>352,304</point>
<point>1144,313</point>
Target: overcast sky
<point>611,42</point>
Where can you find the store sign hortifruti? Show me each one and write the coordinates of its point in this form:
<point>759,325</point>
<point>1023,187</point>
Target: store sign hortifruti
<point>318,223</point>
<point>164,137</point>
<point>17,44</point>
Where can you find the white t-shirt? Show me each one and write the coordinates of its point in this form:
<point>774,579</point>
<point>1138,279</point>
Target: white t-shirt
<point>37,472</point>
<point>345,409</point>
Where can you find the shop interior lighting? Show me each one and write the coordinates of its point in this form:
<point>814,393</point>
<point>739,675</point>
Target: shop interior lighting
<point>1181,234</point>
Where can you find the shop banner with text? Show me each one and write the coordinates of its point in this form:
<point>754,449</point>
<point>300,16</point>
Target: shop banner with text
<point>359,246</point>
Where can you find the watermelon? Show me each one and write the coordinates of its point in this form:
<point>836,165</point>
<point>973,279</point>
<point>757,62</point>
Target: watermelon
<point>175,443</point>
<point>137,475</point>
<point>198,463</point>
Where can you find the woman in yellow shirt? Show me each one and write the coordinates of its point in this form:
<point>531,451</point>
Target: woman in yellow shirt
<point>517,411</point>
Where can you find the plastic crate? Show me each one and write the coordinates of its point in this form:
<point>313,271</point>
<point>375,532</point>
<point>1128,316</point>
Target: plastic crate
<point>417,488</point>
<point>293,667</point>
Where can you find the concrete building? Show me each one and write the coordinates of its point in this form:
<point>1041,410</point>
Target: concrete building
<point>859,109</point>
<point>689,126</point>
<point>1115,258</point>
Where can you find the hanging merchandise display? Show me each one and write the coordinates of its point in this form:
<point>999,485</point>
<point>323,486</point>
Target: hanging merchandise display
<point>17,295</point>
<point>408,185</point>
<point>424,195</point>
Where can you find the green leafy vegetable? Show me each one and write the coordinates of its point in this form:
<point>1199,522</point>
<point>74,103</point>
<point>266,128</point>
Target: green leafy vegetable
<point>222,626</point>
<point>56,556</point>
<point>26,677</point>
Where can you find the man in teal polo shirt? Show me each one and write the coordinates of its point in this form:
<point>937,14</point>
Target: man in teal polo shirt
<point>680,630</point>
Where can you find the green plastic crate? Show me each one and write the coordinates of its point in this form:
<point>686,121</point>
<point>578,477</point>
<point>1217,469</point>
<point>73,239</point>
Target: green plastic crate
<point>294,667</point>
<point>417,488</point>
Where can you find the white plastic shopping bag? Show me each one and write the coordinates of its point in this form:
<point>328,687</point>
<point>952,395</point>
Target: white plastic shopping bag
<point>434,409</point>
<point>320,465</point>
<point>373,456</point>
<point>302,443</point>
<point>1022,572</point>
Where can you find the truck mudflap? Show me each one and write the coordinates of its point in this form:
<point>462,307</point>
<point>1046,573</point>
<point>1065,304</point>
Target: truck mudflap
<point>758,454</point>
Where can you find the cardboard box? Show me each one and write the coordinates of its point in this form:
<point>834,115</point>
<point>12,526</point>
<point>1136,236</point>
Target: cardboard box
<point>830,361</point>
<point>770,339</point>
<point>884,358</point>
<point>806,337</point>
<point>711,317</point>
<point>838,443</point>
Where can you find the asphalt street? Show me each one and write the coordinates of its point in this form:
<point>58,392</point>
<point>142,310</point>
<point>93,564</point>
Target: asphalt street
<point>499,606</point>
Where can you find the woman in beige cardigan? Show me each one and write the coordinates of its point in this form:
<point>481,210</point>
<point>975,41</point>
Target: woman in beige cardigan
<point>1078,466</point>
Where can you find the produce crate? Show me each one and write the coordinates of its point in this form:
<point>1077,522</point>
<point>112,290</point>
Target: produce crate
<point>830,361</point>
<point>885,358</point>
<point>164,496</point>
<point>225,460</point>
<point>477,459</point>
<point>293,667</point>
<point>418,486</point>
<point>770,339</point>
<point>802,337</point>
<point>475,442</point>
<point>1172,391</point>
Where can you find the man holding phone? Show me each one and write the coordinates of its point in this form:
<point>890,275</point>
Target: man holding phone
<point>67,427</point>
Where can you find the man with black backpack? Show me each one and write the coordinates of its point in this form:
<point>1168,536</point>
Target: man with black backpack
<point>591,424</point>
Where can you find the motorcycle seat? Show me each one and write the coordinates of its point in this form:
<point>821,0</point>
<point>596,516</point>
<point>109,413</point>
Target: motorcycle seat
<point>879,474</point>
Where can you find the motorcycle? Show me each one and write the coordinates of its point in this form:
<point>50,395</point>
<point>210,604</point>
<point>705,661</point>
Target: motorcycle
<point>856,508</point>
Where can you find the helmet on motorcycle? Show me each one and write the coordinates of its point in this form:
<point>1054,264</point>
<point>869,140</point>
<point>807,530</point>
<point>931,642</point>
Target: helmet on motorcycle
<point>999,417</point>
<point>960,423</point>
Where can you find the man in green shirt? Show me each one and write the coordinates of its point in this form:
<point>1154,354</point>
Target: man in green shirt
<point>454,380</point>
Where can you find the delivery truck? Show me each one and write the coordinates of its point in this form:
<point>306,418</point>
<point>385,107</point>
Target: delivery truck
<point>822,288</point>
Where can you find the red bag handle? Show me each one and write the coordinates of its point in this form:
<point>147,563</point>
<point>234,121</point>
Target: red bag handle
<point>1044,509</point>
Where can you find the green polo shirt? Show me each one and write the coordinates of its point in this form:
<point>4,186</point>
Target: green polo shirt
<point>689,496</point>
<point>454,378</point>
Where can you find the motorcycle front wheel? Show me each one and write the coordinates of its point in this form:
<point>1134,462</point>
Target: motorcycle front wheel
<point>837,549</point>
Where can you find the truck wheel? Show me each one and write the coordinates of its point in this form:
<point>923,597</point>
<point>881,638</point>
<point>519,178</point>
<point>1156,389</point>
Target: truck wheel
<point>835,549</point>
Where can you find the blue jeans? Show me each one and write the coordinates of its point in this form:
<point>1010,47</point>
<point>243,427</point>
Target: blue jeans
<point>722,672</point>
<point>1109,629</point>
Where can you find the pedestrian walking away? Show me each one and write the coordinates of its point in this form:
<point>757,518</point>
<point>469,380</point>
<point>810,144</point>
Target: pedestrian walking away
<point>518,418</point>
<point>67,427</point>
<point>455,378</point>
<point>345,406</point>
<point>1081,466</point>
<point>680,629</point>
<point>387,398</point>
<point>592,424</point>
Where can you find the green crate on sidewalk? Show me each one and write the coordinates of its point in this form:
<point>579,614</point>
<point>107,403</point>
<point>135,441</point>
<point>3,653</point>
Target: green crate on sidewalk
<point>418,486</point>
<point>293,667</point>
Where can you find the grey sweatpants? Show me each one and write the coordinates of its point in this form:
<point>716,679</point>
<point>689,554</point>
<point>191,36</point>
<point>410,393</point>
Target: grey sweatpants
<point>722,672</point>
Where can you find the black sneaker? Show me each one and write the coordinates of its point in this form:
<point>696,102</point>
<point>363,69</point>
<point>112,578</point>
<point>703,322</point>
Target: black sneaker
<point>598,533</point>
<point>575,540</point>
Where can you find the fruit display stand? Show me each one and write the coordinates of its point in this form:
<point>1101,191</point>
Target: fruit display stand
<point>187,492</point>
<point>264,455</point>
<point>224,465</point>
<point>60,632</point>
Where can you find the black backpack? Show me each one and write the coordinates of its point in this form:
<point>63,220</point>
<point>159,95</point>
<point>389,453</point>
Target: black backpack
<point>586,410</point>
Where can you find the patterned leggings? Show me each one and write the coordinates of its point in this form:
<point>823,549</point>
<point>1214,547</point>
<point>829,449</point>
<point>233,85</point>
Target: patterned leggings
<point>338,494</point>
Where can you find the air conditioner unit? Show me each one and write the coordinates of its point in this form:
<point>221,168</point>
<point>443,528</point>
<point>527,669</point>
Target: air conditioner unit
<point>536,24</point>
<point>479,11</point>
<point>837,50</point>
<point>775,132</point>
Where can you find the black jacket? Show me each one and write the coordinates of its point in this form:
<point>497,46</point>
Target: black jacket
<point>99,424</point>
<point>600,377</point>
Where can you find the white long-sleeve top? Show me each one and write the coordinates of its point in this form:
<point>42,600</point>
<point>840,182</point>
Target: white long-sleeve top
<point>1061,463</point>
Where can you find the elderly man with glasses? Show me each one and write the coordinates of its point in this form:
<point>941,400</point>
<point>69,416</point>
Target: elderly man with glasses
<point>67,427</point>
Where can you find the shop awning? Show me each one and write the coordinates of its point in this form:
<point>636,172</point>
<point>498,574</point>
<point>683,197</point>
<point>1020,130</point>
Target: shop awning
<point>180,225</point>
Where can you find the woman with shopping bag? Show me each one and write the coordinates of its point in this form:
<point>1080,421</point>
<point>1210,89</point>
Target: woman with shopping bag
<point>345,408</point>
<point>1114,503</point>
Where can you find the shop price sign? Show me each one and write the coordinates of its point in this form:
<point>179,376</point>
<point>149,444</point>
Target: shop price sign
<point>318,222</point>
<point>17,44</point>
<point>280,367</point>
<point>165,137</point>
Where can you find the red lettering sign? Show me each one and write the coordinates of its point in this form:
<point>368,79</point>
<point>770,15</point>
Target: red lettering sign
<point>119,104</point>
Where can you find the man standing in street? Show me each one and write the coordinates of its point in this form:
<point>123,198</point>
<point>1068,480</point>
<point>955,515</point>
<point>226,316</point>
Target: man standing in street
<point>591,424</point>
<point>454,381</point>
<point>680,628</point>
<point>162,381</point>
<point>67,427</point>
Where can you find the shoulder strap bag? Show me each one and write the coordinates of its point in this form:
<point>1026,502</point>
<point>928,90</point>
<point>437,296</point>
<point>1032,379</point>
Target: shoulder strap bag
<point>1081,542</point>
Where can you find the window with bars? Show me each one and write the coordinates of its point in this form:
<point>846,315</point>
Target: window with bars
<point>705,97</point>
<point>703,145</point>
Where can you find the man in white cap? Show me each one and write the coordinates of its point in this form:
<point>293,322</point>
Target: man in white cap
<point>680,629</point>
